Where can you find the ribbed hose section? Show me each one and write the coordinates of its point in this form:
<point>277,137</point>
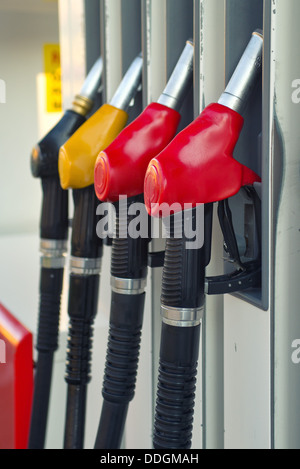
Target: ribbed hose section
<point>184,268</point>
<point>79,353</point>
<point>49,309</point>
<point>121,364</point>
<point>126,320</point>
<point>175,399</point>
<point>175,407</point>
<point>119,257</point>
<point>78,367</point>
<point>172,273</point>
<point>129,255</point>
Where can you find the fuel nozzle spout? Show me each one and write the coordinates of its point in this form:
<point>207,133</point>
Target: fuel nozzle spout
<point>180,80</point>
<point>120,168</point>
<point>78,155</point>
<point>244,78</point>
<point>84,100</point>
<point>129,85</point>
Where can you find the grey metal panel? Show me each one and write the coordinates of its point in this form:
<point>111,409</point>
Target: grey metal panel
<point>92,39</point>
<point>111,46</point>
<point>92,31</point>
<point>80,44</point>
<point>208,86</point>
<point>120,44</point>
<point>131,31</point>
<point>179,29</point>
<point>131,44</point>
<point>285,209</point>
<point>242,18</point>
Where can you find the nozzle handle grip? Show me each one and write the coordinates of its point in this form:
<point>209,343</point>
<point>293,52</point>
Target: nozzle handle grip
<point>85,243</point>
<point>54,213</point>
<point>186,256</point>
<point>129,256</point>
<point>51,282</point>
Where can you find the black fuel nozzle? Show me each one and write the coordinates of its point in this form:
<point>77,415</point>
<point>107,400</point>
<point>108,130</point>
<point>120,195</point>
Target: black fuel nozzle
<point>44,157</point>
<point>54,225</point>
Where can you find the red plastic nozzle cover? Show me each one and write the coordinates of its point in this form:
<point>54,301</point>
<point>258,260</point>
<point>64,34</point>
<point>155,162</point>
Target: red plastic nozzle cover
<point>120,168</point>
<point>197,166</point>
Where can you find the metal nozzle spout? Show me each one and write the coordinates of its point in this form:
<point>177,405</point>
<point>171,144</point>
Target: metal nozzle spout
<point>129,85</point>
<point>92,81</point>
<point>84,101</point>
<point>243,80</point>
<point>180,79</point>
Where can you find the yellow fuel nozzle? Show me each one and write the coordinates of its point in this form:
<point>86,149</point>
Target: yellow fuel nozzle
<point>78,155</point>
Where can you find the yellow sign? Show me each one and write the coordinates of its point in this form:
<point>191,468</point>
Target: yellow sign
<point>53,77</point>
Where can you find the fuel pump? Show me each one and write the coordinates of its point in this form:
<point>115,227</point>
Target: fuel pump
<point>53,246</point>
<point>120,171</point>
<point>197,168</point>
<point>76,170</point>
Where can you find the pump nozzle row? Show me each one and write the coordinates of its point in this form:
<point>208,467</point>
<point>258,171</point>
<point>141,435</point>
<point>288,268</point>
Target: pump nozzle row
<point>148,163</point>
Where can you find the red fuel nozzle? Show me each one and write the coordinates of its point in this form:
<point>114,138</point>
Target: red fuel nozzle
<point>176,176</point>
<point>120,168</point>
<point>197,167</point>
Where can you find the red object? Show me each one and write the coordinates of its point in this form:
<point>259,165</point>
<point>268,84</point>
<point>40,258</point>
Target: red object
<point>197,166</point>
<point>16,381</point>
<point>120,169</point>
